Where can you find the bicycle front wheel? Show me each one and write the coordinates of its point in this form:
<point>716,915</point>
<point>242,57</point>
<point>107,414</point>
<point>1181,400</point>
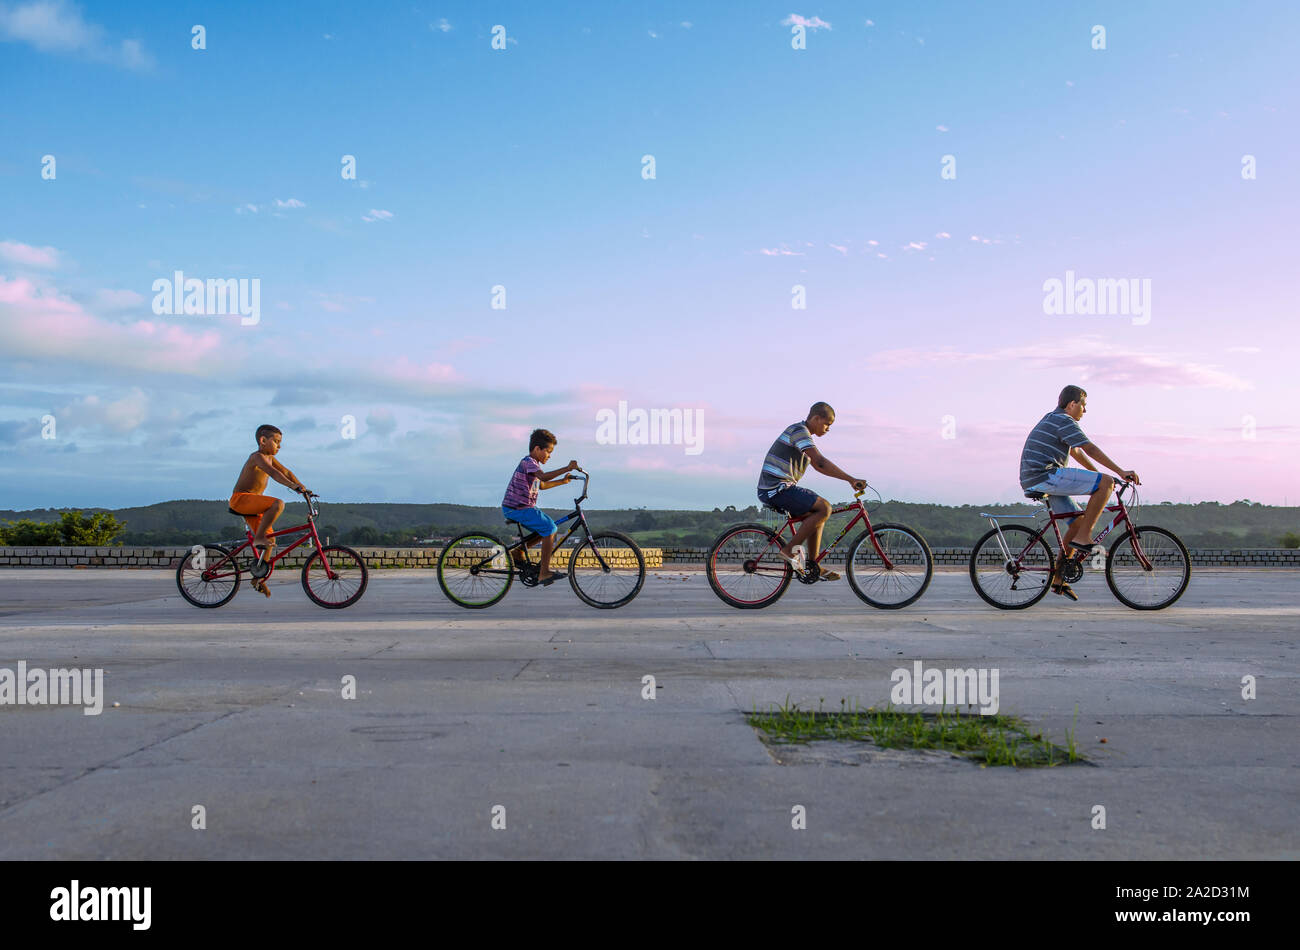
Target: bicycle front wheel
<point>745,567</point>
<point>1014,576</point>
<point>1159,582</point>
<point>474,570</point>
<point>900,582</point>
<point>607,570</point>
<point>208,577</point>
<point>342,584</point>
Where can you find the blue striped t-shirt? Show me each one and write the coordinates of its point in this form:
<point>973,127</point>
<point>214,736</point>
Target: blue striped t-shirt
<point>786,462</point>
<point>1048,447</point>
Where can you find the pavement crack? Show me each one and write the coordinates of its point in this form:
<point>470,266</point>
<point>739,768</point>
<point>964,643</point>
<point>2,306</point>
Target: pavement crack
<point>521,669</point>
<point>112,762</point>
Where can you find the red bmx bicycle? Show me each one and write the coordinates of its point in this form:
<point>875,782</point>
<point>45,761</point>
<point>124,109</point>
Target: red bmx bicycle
<point>333,577</point>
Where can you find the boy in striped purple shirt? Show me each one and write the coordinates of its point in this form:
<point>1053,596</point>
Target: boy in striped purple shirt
<point>520,501</point>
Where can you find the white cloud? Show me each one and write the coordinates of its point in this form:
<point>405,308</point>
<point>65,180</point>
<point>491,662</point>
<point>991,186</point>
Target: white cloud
<point>941,128</point>
<point>377,214</point>
<point>291,203</point>
<point>44,257</point>
<point>56,26</point>
<point>442,26</point>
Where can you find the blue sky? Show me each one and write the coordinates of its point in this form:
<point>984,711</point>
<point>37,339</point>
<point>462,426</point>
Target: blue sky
<point>522,168</point>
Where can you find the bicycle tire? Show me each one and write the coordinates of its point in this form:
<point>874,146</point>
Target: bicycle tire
<point>1116,554</point>
<point>768,536</point>
<point>884,533</point>
<point>458,576</point>
<point>1037,546</point>
<point>590,565</point>
<point>222,554</point>
<point>317,563</point>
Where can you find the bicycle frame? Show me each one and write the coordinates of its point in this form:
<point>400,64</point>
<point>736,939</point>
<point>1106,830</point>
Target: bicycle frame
<point>579,519</point>
<point>861,515</point>
<point>1053,517</point>
<point>308,534</point>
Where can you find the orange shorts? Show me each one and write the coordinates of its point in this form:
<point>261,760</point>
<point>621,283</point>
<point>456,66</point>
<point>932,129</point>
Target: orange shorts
<point>252,506</point>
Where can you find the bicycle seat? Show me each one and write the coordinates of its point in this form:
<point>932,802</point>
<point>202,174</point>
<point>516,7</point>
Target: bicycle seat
<point>779,511</point>
<point>236,513</point>
<point>1036,495</point>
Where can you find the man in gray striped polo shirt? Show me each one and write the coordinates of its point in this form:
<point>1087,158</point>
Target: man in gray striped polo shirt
<point>1056,439</point>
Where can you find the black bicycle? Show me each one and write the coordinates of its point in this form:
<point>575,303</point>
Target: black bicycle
<point>606,570</point>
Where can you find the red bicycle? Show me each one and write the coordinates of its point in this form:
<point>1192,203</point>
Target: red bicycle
<point>334,576</point>
<point>889,566</point>
<point>1147,568</point>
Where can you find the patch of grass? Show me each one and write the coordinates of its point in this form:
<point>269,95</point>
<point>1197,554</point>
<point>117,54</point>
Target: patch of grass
<point>992,740</point>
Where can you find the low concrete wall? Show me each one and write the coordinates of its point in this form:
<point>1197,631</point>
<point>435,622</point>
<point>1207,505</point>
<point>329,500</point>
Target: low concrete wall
<point>169,557</point>
<point>1201,557</point>
<point>654,557</point>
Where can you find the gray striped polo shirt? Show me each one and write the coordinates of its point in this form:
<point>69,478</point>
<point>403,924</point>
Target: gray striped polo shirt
<point>1048,447</point>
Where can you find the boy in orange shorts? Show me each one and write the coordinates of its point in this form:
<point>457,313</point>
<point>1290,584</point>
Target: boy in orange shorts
<point>259,510</point>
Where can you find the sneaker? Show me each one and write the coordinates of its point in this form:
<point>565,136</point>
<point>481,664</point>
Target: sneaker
<point>1086,552</point>
<point>797,561</point>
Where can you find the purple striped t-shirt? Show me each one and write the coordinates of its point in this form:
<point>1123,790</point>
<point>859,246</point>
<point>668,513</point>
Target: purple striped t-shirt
<point>522,490</point>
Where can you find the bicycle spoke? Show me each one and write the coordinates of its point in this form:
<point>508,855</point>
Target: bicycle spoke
<point>1014,582</point>
<point>745,568</point>
<point>1158,582</point>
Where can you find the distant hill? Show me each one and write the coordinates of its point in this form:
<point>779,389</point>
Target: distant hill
<point>1242,524</point>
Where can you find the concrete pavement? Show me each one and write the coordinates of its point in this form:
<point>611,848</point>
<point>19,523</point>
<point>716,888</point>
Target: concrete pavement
<point>536,706</point>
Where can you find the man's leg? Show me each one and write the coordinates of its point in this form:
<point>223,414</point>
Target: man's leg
<point>1082,527</point>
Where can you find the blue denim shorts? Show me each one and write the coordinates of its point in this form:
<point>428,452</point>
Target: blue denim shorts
<point>1063,483</point>
<point>534,519</point>
<point>792,499</point>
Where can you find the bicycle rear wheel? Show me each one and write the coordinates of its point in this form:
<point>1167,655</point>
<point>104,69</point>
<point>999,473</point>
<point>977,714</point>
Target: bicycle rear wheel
<point>1014,578</point>
<point>904,581</point>
<point>474,570</point>
<point>208,577</point>
<point>1152,588</point>
<point>607,570</point>
<point>745,568</point>
<point>340,586</point>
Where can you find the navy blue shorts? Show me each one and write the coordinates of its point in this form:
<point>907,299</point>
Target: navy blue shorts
<point>793,500</point>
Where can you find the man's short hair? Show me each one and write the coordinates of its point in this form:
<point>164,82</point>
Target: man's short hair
<point>822,409</point>
<point>1070,394</point>
<point>267,432</point>
<point>540,439</point>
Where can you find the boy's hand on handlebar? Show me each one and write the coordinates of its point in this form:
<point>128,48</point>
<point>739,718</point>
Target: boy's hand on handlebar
<point>1131,476</point>
<point>859,484</point>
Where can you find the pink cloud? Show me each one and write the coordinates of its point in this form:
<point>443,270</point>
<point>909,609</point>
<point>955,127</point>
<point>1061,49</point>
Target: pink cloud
<point>43,257</point>
<point>813,23</point>
<point>1091,359</point>
<point>44,325</point>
